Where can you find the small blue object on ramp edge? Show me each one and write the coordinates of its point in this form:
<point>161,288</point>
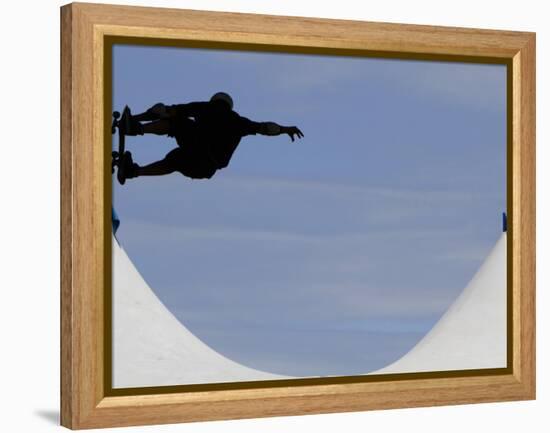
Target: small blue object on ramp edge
<point>115,220</point>
<point>504,222</point>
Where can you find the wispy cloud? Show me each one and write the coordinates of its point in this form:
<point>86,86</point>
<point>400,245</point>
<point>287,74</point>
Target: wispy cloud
<point>144,232</point>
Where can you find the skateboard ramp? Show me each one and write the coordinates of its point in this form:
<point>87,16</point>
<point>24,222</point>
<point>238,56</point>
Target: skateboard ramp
<point>472,332</point>
<point>152,348</point>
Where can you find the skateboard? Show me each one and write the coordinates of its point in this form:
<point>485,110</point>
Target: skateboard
<point>117,155</point>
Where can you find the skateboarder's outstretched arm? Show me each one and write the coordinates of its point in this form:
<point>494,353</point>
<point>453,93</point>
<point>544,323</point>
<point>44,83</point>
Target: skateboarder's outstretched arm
<point>271,128</point>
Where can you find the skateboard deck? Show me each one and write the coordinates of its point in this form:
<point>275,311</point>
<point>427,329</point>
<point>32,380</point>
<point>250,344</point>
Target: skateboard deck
<point>117,155</point>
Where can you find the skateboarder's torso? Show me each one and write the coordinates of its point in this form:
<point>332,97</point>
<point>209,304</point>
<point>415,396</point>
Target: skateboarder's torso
<point>216,127</point>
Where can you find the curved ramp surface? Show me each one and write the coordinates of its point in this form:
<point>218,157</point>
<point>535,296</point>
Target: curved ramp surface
<point>152,348</point>
<point>472,333</point>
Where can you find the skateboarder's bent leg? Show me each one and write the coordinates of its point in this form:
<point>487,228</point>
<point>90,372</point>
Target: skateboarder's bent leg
<point>134,126</point>
<point>183,160</point>
<point>157,168</point>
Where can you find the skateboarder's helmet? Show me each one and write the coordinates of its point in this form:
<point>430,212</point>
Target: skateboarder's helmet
<point>222,96</point>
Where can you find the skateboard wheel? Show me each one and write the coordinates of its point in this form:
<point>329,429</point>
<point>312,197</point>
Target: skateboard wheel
<point>115,154</point>
<point>116,114</point>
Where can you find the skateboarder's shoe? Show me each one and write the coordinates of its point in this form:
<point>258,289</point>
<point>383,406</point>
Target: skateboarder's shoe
<point>129,125</point>
<point>127,168</point>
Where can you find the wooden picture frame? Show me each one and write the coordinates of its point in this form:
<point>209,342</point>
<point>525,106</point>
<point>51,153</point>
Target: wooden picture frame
<point>87,399</point>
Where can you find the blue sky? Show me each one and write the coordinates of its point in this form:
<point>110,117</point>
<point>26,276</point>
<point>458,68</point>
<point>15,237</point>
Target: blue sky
<point>331,255</point>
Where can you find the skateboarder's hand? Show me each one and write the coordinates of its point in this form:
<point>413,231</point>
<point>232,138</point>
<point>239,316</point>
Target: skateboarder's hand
<point>293,131</point>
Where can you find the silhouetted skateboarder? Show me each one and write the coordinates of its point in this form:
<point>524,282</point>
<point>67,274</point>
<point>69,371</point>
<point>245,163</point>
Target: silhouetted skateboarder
<point>207,134</point>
